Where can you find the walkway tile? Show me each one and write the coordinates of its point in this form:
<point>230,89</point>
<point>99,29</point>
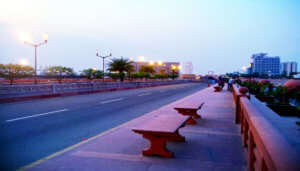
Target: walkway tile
<point>213,144</point>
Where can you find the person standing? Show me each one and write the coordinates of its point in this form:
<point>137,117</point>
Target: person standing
<point>230,82</point>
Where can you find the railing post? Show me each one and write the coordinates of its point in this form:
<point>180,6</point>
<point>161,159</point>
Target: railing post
<point>242,91</point>
<point>251,156</point>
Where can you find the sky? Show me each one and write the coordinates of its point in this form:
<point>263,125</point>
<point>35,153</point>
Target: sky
<point>215,35</point>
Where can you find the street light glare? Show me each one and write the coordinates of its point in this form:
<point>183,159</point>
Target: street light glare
<point>159,63</point>
<point>151,62</point>
<point>24,62</point>
<point>25,37</point>
<point>244,68</point>
<point>142,58</point>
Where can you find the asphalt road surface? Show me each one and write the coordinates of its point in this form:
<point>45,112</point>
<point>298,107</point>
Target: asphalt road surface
<point>31,130</point>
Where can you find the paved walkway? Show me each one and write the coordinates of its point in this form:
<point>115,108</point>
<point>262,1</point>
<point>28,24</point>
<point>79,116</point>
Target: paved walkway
<point>213,144</point>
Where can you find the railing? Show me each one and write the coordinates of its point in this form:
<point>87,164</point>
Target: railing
<point>267,149</point>
<point>236,98</point>
<point>15,91</point>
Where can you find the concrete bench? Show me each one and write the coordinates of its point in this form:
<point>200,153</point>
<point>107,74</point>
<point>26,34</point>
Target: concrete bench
<point>159,130</point>
<point>217,88</point>
<point>190,108</point>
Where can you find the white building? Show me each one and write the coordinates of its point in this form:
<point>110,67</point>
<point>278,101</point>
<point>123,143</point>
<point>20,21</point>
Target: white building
<point>289,67</point>
<point>187,68</point>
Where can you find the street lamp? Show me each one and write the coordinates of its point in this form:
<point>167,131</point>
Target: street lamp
<point>251,68</point>
<point>36,45</point>
<point>173,68</point>
<point>151,63</point>
<point>103,57</point>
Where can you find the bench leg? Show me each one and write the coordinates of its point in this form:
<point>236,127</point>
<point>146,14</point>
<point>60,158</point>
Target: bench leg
<point>157,147</point>
<point>190,112</point>
<point>191,121</point>
<point>195,115</point>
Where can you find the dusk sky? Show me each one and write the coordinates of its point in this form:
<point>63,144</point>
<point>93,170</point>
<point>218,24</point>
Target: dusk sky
<point>215,35</point>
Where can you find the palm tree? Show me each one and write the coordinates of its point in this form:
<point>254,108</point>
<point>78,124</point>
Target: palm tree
<point>121,66</point>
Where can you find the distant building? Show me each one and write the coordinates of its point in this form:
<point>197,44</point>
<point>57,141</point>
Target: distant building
<point>265,65</point>
<point>188,76</point>
<point>159,67</point>
<point>187,68</point>
<point>289,67</point>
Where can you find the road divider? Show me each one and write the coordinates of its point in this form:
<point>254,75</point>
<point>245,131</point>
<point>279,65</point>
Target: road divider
<point>11,93</point>
<point>36,115</point>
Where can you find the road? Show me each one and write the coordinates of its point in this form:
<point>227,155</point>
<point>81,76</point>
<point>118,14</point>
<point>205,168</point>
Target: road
<point>31,130</point>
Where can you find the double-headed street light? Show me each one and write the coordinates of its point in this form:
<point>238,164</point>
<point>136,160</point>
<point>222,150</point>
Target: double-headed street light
<point>103,57</point>
<point>36,45</point>
<point>174,68</point>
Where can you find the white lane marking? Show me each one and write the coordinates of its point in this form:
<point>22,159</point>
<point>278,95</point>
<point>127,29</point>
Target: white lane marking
<point>36,115</point>
<point>112,100</point>
<point>144,94</point>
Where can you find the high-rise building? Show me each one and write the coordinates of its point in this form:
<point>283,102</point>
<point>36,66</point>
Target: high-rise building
<point>289,67</point>
<point>263,64</point>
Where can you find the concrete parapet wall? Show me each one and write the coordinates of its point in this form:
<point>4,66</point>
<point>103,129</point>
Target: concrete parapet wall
<point>18,92</point>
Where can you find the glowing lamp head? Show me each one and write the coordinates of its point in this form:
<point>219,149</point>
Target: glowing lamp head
<point>160,63</point>
<point>25,37</point>
<point>179,67</point>
<point>173,67</point>
<point>151,63</point>
<point>45,37</point>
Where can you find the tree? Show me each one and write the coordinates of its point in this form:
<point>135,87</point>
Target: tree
<point>147,69</point>
<point>59,72</point>
<point>12,71</point>
<point>92,73</point>
<point>121,66</point>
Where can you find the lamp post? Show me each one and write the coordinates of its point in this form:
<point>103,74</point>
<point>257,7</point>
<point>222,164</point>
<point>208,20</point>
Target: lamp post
<point>251,69</point>
<point>160,64</point>
<point>103,57</point>
<point>36,45</point>
<point>173,67</point>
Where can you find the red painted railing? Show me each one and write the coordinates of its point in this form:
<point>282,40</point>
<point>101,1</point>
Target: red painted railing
<point>267,149</point>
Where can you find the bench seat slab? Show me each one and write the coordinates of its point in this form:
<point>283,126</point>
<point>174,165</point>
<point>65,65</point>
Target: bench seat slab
<point>189,112</point>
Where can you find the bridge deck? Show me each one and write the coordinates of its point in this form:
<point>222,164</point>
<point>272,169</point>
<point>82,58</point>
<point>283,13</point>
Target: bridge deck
<point>213,144</point>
